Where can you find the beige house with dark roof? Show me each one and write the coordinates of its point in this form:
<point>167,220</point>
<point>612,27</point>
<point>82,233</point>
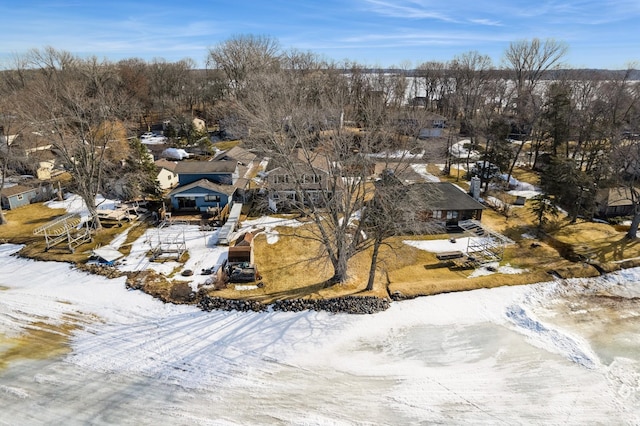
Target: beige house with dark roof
<point>167,177</point>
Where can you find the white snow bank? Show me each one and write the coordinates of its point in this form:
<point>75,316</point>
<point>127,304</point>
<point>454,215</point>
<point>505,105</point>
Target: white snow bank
<point>268,224</point>
<point>439,246</point>
<point>493,267</point>
<point>421,169</point>
<point>459,150</point>
<point>153,139</point>
<point>468,357</point>
<point>75,204</point>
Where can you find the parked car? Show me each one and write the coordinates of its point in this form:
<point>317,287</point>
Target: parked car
<point>151,138</point>
<point>485,170</point>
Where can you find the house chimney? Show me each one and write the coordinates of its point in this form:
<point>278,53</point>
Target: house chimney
<point>474,190</point>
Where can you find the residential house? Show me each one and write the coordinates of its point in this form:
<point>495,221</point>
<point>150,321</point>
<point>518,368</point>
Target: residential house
<point>432,206</point>
<point>199,124</point>
<point>402,171</point>
<point>220,172</point>
<point>202,195</point>
<point>204,185</point>
<point>301,183</point>
<point>241,155</point>
<point>167,177</point>
<point>612,202</point>
<point>423,127</point>
<point>433,127</point>
<point>45,169</point>
<point>248,165</point>
<point>444,203</point>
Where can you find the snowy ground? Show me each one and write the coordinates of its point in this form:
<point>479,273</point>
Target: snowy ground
<point>513,355</point>
<point>563,352</point>
<point>204,253</point>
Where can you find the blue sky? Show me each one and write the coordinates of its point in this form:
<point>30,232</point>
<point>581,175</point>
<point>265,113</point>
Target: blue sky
<point>600,34</point>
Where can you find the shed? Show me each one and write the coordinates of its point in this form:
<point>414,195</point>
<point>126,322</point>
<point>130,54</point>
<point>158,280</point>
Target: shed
<point>17,196</point>
<point>21,195</point>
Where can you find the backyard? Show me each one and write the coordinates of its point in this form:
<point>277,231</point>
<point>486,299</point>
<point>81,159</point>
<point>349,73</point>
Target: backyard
<point>292,266</point>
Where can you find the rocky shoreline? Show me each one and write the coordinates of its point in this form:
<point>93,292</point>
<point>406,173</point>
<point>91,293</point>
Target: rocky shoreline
<point>359,305</point>
<point>348,304</point>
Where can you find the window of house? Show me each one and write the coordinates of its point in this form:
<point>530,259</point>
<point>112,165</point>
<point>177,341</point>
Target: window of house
<point>452,215</point>
<point>311,179</point>
<point>282,178</point>
<point>437,214</point>
<point>212,198</point>
<point>313,197</point>
<point>20,197</point>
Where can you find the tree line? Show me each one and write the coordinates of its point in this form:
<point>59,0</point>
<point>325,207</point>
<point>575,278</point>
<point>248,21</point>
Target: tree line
<point>581,126</point>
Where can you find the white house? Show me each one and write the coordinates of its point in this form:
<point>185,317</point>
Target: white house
<point>167,177</point>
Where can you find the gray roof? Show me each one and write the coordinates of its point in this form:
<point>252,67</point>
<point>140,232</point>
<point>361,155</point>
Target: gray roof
<point>206,184</point>
<point>443,196</point>
<point>205,167</point>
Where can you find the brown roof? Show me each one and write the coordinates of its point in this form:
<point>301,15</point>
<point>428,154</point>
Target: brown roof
<point>205,167</point>
<point>619,196</point>
<point>15,190</point>
<point>166,164</point>
<point>402,171</point>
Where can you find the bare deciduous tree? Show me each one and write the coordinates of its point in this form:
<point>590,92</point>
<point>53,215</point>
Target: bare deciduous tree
<point>11,84</point>
<point>528,61</point>
<point>295,119</point>
<point>243,57</point>
<point>77,105</point>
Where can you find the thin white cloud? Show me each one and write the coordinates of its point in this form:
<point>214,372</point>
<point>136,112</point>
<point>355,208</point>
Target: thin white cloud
<point>421,37</point>
<point>407,10</point>
<point>486,22</point>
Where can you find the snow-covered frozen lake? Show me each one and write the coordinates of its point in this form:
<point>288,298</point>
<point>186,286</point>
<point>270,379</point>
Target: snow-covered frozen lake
<point>552,353</point>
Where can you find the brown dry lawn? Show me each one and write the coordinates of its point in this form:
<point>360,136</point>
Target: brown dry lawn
<point>22,221</point>
<point>295,266</point>
<point>298,272</point>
